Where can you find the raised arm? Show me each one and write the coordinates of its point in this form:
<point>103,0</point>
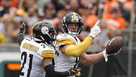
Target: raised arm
<point>78,49</point>
<point>21,34</point>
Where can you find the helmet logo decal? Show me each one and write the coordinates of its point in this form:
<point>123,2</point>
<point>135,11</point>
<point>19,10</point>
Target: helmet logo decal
<point>74,18</point>
<point>45,30</point>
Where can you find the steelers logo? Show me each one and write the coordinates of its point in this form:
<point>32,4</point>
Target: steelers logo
<point>75,18</point>
<point>45,30</point>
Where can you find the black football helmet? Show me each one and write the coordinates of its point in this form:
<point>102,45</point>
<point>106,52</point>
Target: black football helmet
<point>70,19</point>
<point>44,32</point>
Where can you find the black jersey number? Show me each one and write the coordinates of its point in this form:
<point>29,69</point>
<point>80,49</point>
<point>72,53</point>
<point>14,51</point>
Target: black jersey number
<point>24,58</point>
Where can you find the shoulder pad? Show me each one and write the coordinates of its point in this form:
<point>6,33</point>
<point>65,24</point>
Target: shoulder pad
<point>64,36</point>
<point>61,36</point>
<point>29,45</point>
<point>46,51</point>
<point>65,39</point>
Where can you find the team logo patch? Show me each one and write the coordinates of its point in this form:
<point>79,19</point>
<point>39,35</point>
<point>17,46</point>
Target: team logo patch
<point>45,30</point>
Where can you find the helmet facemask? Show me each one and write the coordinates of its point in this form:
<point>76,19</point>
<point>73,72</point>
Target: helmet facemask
<point>73,28</point>
<point>72,23</point>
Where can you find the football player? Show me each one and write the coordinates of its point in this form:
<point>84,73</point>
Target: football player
<point>70,48</point>
<point>37,51</point>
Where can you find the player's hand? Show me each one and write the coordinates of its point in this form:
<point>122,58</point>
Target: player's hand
<point>95,30</point>
<point>23,28</point>
<point>74,72</point>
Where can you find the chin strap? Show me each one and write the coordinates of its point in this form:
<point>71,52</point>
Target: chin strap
<point>105,55</point>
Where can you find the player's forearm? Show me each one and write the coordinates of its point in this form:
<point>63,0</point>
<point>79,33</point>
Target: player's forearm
<point>21,34</point>
<point>77,50</point>
<point>92,58</point>
<point>50,72</point>
<point>20,37</point>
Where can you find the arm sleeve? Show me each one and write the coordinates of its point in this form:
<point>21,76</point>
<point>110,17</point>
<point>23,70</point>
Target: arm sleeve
<point>21,34</point>
<point>20,37</point>
<point>77,50</point>
<point>50,72</point>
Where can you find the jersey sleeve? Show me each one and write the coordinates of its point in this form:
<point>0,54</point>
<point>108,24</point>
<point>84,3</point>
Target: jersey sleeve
<point>46,52</point>
<point>64,40</point>
<point>71,48</point>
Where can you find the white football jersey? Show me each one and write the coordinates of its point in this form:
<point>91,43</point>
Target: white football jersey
<point>34,56</point>
<point>63,62</point>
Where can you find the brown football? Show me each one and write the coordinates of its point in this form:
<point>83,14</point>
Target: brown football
<point>114,45</point>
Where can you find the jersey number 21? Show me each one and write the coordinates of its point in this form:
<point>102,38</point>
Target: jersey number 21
<point>26,58</point>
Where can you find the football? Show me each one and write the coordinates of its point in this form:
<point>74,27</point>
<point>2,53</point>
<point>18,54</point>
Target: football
<point>114,45</point>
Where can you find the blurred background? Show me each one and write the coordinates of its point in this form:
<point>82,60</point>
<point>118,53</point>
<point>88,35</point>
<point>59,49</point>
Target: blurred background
<point>119,18</point>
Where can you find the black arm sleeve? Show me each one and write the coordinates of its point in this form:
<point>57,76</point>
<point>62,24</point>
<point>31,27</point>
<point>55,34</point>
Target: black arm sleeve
<point>51,73</point>
<point>22,33</point>
<point>20,37</point>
